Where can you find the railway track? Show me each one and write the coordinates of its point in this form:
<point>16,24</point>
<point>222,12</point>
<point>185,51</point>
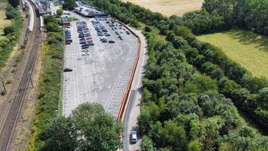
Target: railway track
<point>11,107</point>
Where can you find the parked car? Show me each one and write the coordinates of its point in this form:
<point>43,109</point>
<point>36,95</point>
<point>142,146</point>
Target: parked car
<point>104,40</point>
<point>111,41</point>
<point>67,70</point>
<point>85,50</point>
<point>100,34</point>
<point>134,137</point>
<point>68,39</point>
<point>67,42</point>
<point>107,34</point>
<point>84,46</point>
<point>85,53</point>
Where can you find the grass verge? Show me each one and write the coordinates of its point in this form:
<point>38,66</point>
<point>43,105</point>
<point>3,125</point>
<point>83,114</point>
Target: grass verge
<point>50,82</point>
<point>246,48</point>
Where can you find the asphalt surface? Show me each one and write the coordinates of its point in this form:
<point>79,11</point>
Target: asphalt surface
<point>103,75</point>
<point>133,107</point>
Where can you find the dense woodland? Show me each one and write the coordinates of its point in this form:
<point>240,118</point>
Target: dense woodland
<point>191,89</point>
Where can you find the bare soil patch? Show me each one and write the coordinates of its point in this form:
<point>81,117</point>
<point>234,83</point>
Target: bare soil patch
<point>169,7</point>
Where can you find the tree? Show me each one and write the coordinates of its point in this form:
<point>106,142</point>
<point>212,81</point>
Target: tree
<point>49,19</point>
<point>10,14</point>
<point>194,146</point>
<point>69,4</point>
<point>262,98</point>
<point>89,127</point>
<point>61,135</point>
<point>14,3</point>
<point>59,12</point>
<point>98,130</point>
<point>147,144</point>
<point>147,29</point>
<point>9,30</point>
<point>52,27</point>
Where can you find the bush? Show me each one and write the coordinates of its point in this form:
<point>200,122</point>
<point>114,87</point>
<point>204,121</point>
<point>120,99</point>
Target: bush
<point>11,14</point>
<point>14,3</point>
<point>53,27</point>
<point>9,30</point>
<point>59,12</point>
<point>147,29</point>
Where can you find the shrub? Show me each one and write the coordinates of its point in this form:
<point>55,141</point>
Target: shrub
<point>9,30</point>
<point>11,14</point>
<point>52,27</point>
<point>59,12</point>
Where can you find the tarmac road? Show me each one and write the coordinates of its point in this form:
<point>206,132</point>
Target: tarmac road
<point>133,107</point>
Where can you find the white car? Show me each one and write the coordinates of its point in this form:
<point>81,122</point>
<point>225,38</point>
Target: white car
<point>85,50</point>
<point>134,137</point>
<point>85,53</point>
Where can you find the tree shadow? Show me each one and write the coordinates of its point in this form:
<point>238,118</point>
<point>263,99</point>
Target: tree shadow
<point>247,37</point>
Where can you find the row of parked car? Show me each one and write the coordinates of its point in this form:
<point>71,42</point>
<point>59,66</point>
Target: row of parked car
<point>68,37</point>
<point>102,31</point>
<point>114,26</point>
<point>84,36</point>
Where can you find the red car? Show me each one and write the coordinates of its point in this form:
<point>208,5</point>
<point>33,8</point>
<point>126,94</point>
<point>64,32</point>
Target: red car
<point>67,42</point>
<point>88,38</point>
<point>83,42</point>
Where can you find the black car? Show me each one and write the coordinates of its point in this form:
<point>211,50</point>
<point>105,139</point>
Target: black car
<point>69,40</point>
<point>84,46</point>
<point>81,35</point>
<point>67,70</point>
<point>68,36</point>
<point>111,41</point>
<point>100,34</point>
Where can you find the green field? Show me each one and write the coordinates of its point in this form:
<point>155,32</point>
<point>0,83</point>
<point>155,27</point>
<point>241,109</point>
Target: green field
<point>244,47</point>
<point>3,21</point>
